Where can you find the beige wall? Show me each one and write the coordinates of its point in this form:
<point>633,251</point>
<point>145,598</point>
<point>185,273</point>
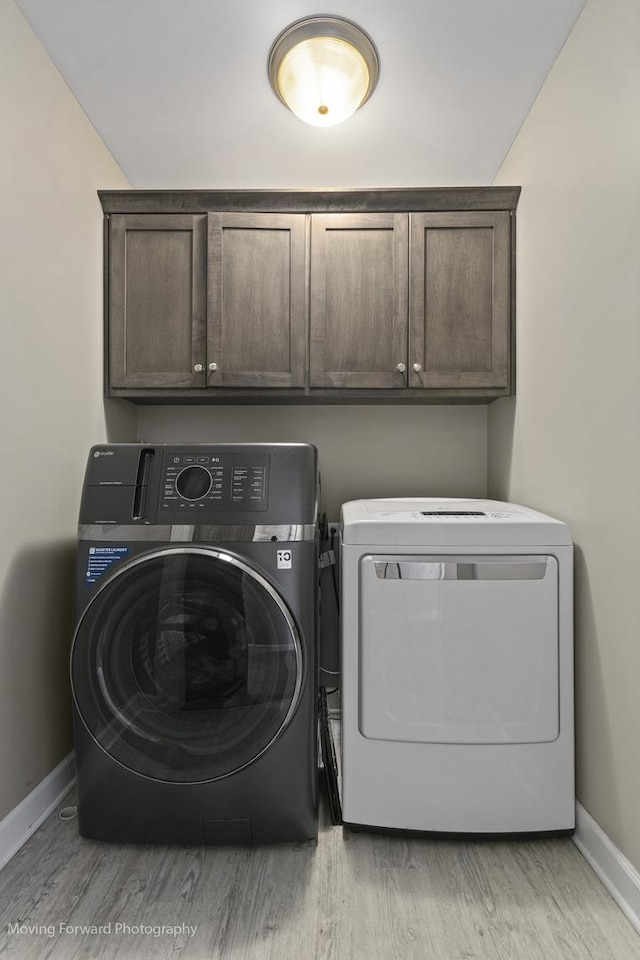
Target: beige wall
<point>570,444</point>
<point>51,164</point>
<point>373,451</point>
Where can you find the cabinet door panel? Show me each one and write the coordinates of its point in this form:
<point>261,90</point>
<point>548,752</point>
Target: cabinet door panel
<point>157,300</point>
<point>460,299</point>
<point>358,299</point>
<point>257,299</point>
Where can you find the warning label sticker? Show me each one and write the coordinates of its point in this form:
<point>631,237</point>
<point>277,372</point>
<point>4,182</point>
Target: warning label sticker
<point>100,560</point>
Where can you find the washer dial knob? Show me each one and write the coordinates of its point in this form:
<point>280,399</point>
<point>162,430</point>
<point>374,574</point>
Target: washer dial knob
<point>193,483</point>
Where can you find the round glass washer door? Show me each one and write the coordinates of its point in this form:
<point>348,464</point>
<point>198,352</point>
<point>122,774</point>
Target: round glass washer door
<point>186,665</point>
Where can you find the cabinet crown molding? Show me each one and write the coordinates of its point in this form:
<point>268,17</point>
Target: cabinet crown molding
<point>360,200</point>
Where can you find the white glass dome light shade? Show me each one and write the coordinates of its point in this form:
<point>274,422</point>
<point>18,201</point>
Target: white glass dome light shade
<point>323,69</point>
<point>323,80</point>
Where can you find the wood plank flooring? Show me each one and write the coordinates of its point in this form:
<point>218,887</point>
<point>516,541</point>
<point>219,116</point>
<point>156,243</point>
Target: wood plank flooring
<point>353,896</point>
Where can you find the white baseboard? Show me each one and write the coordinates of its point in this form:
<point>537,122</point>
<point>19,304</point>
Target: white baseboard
<point>17,826</point>
<point>619,876</point>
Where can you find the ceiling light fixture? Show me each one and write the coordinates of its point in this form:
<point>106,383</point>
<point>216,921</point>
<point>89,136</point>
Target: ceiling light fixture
<point>323,69</point>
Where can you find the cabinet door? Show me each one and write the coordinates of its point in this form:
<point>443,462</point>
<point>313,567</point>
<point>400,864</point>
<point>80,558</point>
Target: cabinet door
<point>358,313</point>
<point>459,327</point>
<point>157,300</point>
<point>256,334</point>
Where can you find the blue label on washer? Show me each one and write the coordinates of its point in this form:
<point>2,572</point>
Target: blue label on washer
<point>100,560</point>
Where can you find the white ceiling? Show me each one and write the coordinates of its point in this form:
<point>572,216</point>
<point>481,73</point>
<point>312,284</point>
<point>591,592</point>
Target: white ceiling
<point>178,89</point>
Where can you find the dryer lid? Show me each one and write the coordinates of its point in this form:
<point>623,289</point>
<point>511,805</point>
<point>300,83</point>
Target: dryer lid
<point>432,521</point>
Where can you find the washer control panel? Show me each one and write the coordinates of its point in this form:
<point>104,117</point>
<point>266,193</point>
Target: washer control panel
<point>230,481</point>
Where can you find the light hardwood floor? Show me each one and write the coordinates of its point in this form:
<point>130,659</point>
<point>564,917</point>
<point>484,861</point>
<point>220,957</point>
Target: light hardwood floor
<point>352,896</point>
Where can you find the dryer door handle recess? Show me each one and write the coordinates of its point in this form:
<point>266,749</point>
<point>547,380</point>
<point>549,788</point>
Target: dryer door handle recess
<point>526,569</point>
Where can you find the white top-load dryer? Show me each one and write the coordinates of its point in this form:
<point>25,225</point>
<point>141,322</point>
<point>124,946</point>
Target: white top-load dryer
<point>457,667</point>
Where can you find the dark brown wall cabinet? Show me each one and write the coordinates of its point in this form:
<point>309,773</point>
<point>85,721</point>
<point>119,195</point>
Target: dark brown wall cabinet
<point>206,301</point>
<point>157,300</point>
<point>460,300</point>
<point>358,315</point>
<point>360,296</point>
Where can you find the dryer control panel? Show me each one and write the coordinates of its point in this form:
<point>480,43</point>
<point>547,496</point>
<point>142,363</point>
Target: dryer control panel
<point>229,481</point>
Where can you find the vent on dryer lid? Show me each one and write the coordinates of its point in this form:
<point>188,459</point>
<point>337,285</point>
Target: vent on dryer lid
<point>452,513</point>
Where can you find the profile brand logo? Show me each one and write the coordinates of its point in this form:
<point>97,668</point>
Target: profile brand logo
<point>103,453</point>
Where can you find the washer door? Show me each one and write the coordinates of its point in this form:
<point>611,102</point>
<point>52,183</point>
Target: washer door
<point>186,665</point>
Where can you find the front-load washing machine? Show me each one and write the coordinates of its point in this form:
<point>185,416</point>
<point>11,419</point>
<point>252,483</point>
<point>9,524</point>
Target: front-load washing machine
<point>457,667</point>
<point>194,666</point>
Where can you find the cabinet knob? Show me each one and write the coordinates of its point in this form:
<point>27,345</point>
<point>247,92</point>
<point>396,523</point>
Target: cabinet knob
<point>198,368</point>
<point>213,367</point>
<point>401,367</point>
<point>417,367</point>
